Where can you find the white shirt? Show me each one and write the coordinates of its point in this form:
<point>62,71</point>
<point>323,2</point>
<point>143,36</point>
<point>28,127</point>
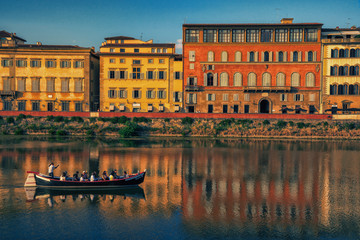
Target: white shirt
<point>92,178</point>
<point>51,168</point>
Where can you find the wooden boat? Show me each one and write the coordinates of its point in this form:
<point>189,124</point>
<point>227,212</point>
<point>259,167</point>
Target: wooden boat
<point>36,179</point>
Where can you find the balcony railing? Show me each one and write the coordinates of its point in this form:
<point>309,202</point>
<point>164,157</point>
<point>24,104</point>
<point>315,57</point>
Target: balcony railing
<point>193,88</point>
<point>267,89</point>
<point>8,93</point>
<point>341,40</point>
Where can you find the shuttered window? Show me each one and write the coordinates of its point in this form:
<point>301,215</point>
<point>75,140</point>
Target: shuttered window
<point>310,80</point>
<point>21,84</point>
<point>50,84</point>
<point>252,79</point>
<point>280,79</point>
<point>266,80</point>
<point>6,84</point>
<point>224,79</point>
<point>237,80</point>
<point>295,79</point>
<point>78,85</point>
<point>65,84</point>
<point>35,84</point>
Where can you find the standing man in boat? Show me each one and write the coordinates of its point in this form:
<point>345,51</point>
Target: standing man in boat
<point>51,169</point>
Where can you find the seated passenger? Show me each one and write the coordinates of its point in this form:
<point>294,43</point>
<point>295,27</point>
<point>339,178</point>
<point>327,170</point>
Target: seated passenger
<point>115,174</point>
<point>105,176</point>
<point>82,178</point>
<point>85,174</point>
<point>63,176</point>
<point>111,177</point>
<point>93,178</point>
<point>126,175</point>
<point>76,176</point>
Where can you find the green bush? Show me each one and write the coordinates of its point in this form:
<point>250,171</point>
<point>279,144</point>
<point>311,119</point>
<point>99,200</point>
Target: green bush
<point>92,119</point>
<point>325,124</point>
<point>59,119</point>
<point>50,118</point>
<point>300,125</point>
<point>226,123</point>
<point>187,120</point>
<point>266,122</point>
<point>19,131</point>
<point>20,117</point>
<point>291,123</point>
<point>10,120</point>
<point>77,119</point>
<point>61,133</point>
<point>166,119</point>
<point>140,119</point>
<point>90,133</point>
<point>130,130</point>
<point>281,124</point>
<point>52,131</point>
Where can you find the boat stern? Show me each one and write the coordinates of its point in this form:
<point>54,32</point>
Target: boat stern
<point>30,180</point>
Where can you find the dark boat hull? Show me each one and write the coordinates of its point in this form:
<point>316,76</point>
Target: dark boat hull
<point>46,181</point>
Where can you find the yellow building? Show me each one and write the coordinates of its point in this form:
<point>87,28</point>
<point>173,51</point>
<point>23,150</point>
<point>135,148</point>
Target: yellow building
<point>138,76</point>
<point>36,77</point>
<point>341,62</point>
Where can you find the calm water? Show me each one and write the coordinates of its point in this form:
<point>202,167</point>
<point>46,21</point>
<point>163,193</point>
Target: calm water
<point>198,189</point>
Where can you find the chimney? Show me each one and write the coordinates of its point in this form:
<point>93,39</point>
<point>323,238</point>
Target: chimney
<point>337,28</point>
<point>353,27</point>
<point>14,34</point>
<point>287,20</point>
<point>38,43</point>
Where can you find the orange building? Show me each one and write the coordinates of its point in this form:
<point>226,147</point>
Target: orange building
<point>252,68</point>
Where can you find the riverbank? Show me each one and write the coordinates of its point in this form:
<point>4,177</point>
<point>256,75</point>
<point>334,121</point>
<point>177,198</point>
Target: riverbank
<point>140,126</point>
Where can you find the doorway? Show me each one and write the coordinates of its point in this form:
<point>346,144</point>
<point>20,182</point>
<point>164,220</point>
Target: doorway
<point>264,106</point>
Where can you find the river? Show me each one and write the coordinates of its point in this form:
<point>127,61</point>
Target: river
<point>194,189</point>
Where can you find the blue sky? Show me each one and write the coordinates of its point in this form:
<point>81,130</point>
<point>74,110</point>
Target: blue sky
<point>87,23</point>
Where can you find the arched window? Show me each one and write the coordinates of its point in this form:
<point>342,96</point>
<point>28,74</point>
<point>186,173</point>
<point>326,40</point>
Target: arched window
<point>295,79</point>
<point>334,53</point>
<point>281,57</point>
<point>266,80</point>
<point>310,56</point>
<point>295,56</point>
<point>266,56</point>
<point>333,89</point>
<point>224,56</point>
<point>252,57</point>
<point>342,90</point>
<point>210,79</point>
<point>280,79</point>
<point>333,71</point>
<point>310,80</point>
<point>341,53</point>
<point>238,56</point>
<point>237,79</point>
<point>346,53</point>
<point>252,79</point>
<point>211,56</point>
<point>357,53</point>
<point>224,79</point>
<point>356,70</point>
<point>343,71</point>
<point>352,71</point>
<point>353,89</point>
<point>352,52</point>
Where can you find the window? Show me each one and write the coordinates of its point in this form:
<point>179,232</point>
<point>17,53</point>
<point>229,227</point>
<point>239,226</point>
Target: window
<point>162,75</point>
<point>310,56</point>
<point>295,80</point>
<point>237,79</point>
<point>65,64</point>
<point>247,97</point>
<point>111,74</point>
<point>112,60</point>
<point>354,71</point>
<point>341,53</point>
<point>224,79</point>
<point>252,79</point>
<point>311,35</point>
<point>65,84</point>
<point>35,105</point>
<point>191,98</point>
<point>136,94</point>
<point>191,35</point>
<point>122,50</point>
<point>210,35</point>
<point>238,35</point>
<point>192,56</point>
<point>122,93</point>
<point>50,63</point>
<point>225,108</point>
<point>112,50</point>
<point>283,97</point>
<point>150,75</point>
<point>158,50</point>
<point>237,56</point>
<point>35,63</point>
<point>236,108</point>
<point>6,62</point>
<point>21,63</point>
<point>281,35</point>
<point>21,105</point>
<point>122,60</point>
<point>136,73</point>
<point>224,35</point>
<point>7,105</point>
<point>246,108</point>
<point>298,97</point>
<point>334,53</point>
<point>295,56</point>
<point>35,84</point>
<point>312,97</point>
<point>153,50</point>
<point>136,62</point>
<point>78,64</point>
<point>78,85</point>
<point>353,89</point>
<point>333,71</point>
<point>343,71</point>
<point>280,79</point>
<point>164,50</point>
<point>252,35</point>
<point>78,106</point>
<point>281,56</point>
<point>211,56</point>
<point>21,84</point>
<point>310,80</point>
<point>192,81</point>
<point>252,57</point>
<point>50,84</point>
<point>6,84</point>
<point>295,35</point>
<point>161,94</point>
<point>209,79</point>
<point>266,80</point>
<point>236,97</point>
<point>177,75</point>
<point>151,61</point>
<point>266,35</point>
<point>150,94</point>
<point>210,108</point>
<point>161,61</point>
<point>177,97</point>
<point>333,89</point>
<point>224,56</point>
<point>225,97</point>
<point>210,97</point>
<point>342,89</point>
<point>65,106</point>
<point>191,66</point>
<point>266,57</point>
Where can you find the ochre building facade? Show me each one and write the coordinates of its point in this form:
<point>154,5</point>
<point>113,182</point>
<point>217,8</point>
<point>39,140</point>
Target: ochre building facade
<point>140,76</point>
<point>252,68</point>
<point>36,77</point>
<point>341,62</point>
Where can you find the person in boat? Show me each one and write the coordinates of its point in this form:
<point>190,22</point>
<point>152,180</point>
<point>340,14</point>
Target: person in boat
<point>85,175</point>
<point>76,176</point>
<point>105,176</point>
<point>111,177</point>
<point>93,177</point>
<point>126,175</point>
<point>51,169</point>
<point>63,176</point>
<point>82,178</point>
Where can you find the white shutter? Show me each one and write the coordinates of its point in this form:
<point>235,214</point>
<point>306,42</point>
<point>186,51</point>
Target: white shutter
<point>164,94</point>
<point>117,74</point>
<point>215,79</point>
<point>271,56</point>
<point>174,75</point>
<point>165,75</point>
<point>207,97</point>
<point>181,75</point>
<point>277,56</point>
<point>139,93</point>
<point>126,74</point>
<point>262,56</point>
<point>205,79</point>
<point>213,96</point>
<point>285,97</point>
<point>294,97</point>
<point>125,93</point>
<point>213,67</point>
<point>187,81</point>
<point>108,74</point>
<point>291,56</point>
<point>248,56</point>
<point>285,57</point>
<point>256,56</point>
<point>180,96</point>
<point>195,81</point>
<point>141,75</point>
<point>194,97</point>
<point>306,56</point>
<point>314,57</point>
<point>133,94</point>
<point>153,94</point>
<point>281,97</point>
<point>187,97</point>
<point>300,58</point>
<point>302,97</point>
<point>130,76</point>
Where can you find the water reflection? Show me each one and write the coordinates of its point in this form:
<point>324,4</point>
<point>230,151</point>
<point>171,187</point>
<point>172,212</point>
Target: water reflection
<point>216,188</point>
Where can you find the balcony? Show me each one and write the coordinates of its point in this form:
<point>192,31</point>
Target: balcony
<point>341,40</point>
<point>193,88</point>
<point>267,89</point>
<point>8,93</point>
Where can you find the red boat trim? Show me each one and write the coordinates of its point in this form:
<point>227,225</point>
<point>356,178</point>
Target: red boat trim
<point>32,172</point>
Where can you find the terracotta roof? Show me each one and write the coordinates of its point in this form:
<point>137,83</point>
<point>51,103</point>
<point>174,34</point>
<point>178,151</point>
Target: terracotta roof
<point>136,54</point>
<point>7,34</point>
<point>340,29</point>
<point>47,47</point>
<point>141,45</point>
<point>120,38</point>
<point>250,24</point>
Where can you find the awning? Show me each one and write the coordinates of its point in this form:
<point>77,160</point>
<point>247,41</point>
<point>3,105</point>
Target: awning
<point>136,105</point>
